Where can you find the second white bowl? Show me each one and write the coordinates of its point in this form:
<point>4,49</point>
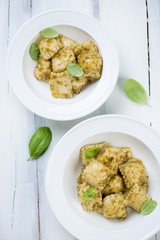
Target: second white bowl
<point>64,168</point>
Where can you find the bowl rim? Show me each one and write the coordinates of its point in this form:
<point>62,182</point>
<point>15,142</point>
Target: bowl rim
<point>82,113</point>
<point>79,125</point>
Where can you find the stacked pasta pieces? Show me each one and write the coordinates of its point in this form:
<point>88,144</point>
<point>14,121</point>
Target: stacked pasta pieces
<point>56,53</point>
<point>119,179</point>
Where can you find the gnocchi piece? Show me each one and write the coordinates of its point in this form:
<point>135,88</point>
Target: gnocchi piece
<point>92,205</point>
<point>112,156</point>
<point>43,69</point>
<point>91,64</point>
<point>133,172</point>
<point>114,206</point>
<point>136,196</point>
<point>85,47</point>
<point>60,59</point>
<point>79,84</point>
<point>67,42</point>
<point>61,85</point>
<point>84,149</point>
<point>96,174</point>
<point>115,185</point>
<point>49,47</point>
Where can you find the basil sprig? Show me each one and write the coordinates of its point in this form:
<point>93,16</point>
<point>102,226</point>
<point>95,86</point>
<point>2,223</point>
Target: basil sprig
<point>34,51</point>
<point>135,91</point>
<point>89,193</point>
<point>49,33</point>
<point>148,207</point>
<point>39,142</point>
<point>92,152</point>
<point>74,69</point>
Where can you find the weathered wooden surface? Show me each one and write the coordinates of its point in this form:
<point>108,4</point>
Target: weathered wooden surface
<point>135,27</point>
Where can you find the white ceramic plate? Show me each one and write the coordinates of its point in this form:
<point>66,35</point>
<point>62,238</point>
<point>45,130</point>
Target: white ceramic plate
<point>64,168</point>
<point>36,95</point>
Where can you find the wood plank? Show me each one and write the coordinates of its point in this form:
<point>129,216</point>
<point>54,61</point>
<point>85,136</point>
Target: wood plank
<point>158,236</point>
<point>154,48</point>
<point>154,52</point>
<point>6,185</point>
<point>47,219</point>
<point>125,21</point>
<point>22,175</point>
<point>129,30</point>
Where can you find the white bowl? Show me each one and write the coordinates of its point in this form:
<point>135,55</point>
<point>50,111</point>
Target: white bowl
<point>36,95</point>
<point>64,167</point>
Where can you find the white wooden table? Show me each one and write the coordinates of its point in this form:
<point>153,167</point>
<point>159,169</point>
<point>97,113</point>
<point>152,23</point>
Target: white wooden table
<point>135,27</point>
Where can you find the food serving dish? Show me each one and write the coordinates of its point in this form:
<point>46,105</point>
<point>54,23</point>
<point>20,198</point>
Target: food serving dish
<point>35,95</point>
<point>64,168</point>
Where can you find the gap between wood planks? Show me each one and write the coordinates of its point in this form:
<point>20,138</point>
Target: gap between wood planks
<point>15,156</point>
<point>8,25</point>
<point>15,188</point>
<point>37,185</point>
<point>37,173</point>
<point>148,52</point>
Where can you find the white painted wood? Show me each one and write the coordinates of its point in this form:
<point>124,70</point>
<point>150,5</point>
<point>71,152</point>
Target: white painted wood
<point>154,47</point>
<point>157,236</point>
<point>25,212</point>
<point>14,114</point>
<point>129,30</point>
<point>21,177</point>
<point>47,219</point>
<point>127,25</point>
<point>154,40</point>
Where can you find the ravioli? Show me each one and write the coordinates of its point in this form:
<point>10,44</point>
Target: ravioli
<point>43,69</point>
<point>49,47</point>
<point>85,47</point>
<point>136,196</point>
<point>133,172</point>
<point>78,84</point>
<point>114,206</point>
<point>92,205</point>
<point>112,156</point>
<point>84,149</point>
<point>61,85</point>
<point>63,57</point>
<point>67,42</point>
<point>96,174</point>
<point>114,185</point>
<point>91,64</point>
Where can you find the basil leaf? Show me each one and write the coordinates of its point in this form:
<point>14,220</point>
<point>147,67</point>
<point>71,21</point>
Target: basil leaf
<point>39,142</point>
<point>89,194</point>
<point>92,152</point>
<point>34,51</point>
<point>135,91</point>
<point>148,207</point>
<point>74,69</point>
<point>49,33</point>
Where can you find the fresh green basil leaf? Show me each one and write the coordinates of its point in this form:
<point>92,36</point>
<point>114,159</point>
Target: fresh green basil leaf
<point>34,51</point>
<point>89,194</point>
<point>135,91</point>
<point>148,207</point>
<point>39,142</point>
<point>74,69</point>
<point>92,152</point>
<point>49,33</point>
